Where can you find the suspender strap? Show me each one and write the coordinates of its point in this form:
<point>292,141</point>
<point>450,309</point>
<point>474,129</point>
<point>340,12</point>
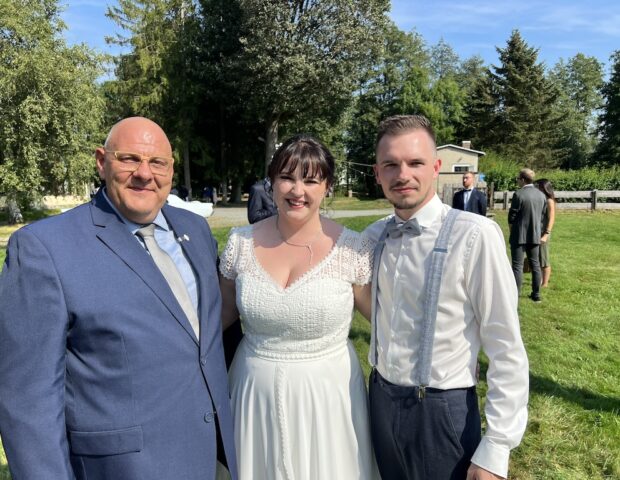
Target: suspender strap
<point>374,284</point>
<point>431,298</point>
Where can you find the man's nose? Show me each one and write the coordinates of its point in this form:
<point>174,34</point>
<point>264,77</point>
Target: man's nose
<point>144,170</point>
<point>402,171</point>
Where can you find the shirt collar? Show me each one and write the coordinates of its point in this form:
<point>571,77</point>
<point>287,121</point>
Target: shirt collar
<point>160,220</point>
<point>428,213</point>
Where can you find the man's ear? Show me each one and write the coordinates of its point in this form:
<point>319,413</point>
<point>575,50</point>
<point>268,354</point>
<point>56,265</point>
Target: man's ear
<point>436,167</point>
<point>100,159</point>
<point>375,169</point>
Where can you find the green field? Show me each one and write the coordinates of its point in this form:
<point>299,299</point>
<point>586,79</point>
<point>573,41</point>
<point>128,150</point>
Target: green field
<point>573,344</point>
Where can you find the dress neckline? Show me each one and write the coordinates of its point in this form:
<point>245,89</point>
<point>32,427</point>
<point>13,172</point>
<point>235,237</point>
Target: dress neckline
<point>304,275</point>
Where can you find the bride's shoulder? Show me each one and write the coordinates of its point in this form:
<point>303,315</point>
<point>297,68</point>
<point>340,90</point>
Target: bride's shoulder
<point>243,231</point>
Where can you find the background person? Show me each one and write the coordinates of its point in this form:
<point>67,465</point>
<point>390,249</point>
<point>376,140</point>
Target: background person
<point>424,408</point>
<point>298,393</point>
<point>546,188</point>
<point>527,210</point>
<point>260,201</point>
<point>470,199</point>
<point>111,369</point>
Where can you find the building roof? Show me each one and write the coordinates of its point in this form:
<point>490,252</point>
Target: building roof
<point>461,148</point>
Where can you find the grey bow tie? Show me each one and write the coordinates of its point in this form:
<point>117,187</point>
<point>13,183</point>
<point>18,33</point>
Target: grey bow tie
<point>410,227</point>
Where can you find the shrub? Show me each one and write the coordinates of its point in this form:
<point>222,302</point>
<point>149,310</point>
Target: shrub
<point>502,172</point>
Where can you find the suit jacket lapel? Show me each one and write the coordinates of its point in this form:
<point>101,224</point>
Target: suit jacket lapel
<point>118,238</point>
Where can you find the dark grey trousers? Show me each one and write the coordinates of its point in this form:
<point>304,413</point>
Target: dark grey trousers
<point>432,438</point>
<point>532,251</point>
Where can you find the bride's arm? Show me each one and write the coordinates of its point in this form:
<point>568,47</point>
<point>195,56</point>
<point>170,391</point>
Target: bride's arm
<point>229,303</point>
<point>363,300</point>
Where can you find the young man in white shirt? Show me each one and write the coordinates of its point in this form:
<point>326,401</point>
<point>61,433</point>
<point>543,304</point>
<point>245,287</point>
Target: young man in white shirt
<point>424,411</point>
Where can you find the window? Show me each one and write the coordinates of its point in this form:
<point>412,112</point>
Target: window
<point>461,168</point>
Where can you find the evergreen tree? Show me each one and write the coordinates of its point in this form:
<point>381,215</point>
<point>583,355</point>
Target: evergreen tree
<point>158,77</point>
<point>444,60</point>
<point>579,82</point>
<point>512,111</point>
<point>608,152</point>
<point>403,59</point>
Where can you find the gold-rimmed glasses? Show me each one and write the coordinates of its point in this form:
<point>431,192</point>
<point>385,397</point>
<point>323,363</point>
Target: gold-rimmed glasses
<point>130,162</point>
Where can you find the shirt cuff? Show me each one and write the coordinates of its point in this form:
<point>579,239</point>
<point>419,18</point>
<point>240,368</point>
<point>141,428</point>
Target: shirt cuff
<point>492,457</point>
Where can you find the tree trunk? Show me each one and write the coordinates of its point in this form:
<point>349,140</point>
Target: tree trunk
<point>223,168</point>
<point>271,138</point>
<point>235,196</point>
<point>15,213</point>
<point>186,171</point>
<point>224,190</point>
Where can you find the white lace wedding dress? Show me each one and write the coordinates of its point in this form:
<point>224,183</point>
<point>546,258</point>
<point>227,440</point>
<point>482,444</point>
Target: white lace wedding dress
<point>298,394</point>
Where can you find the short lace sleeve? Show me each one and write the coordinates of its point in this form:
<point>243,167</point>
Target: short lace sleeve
<point>230,256</point>
<point>364,259</point>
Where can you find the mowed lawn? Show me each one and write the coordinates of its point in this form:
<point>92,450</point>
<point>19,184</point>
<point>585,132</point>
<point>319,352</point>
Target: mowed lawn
<point>573,344</point>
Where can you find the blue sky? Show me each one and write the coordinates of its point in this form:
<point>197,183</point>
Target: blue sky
<point>558,28</point>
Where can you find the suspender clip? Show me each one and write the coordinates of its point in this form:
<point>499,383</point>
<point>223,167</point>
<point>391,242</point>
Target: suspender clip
<point>421,392</point>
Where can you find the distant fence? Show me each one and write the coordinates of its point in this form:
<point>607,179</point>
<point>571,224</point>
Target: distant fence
<point>577,200</point>
<point>567,200</point>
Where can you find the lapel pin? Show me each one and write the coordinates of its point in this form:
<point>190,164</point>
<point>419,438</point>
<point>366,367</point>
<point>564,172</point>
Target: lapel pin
<point>186,237</point>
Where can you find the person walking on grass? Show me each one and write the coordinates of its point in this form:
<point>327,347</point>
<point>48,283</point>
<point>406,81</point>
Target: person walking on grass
<point>525,218</point>
<point>546,188</point>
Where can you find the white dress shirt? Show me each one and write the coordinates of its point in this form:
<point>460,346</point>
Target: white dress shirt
<point>466,197</point>
<point>477,308</point>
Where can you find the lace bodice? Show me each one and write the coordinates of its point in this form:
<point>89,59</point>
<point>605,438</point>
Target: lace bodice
<point>311,316</point>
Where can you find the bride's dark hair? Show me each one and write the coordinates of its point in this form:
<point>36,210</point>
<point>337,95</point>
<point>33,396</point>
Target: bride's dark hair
<point>306,151</point>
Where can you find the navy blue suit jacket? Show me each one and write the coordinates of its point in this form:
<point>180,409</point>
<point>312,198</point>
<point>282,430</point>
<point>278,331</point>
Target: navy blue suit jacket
<point>477,202</point>
<point>101,376</point>
<point>260,203</point>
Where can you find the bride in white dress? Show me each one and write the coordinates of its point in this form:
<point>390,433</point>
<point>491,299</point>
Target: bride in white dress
<point>297,390</point>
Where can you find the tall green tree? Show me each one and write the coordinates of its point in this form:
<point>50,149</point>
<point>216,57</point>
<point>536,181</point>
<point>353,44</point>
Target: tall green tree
<point>403,59</point>
<point>50,105</point>
<point>156,78</point>
<point>513,109</point>
<point>579,82</point>
<point>444,60</point>
<point>304,57</point>
<point>608,152</point>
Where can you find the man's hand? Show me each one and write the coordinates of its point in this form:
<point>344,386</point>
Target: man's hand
<point>478,473</point>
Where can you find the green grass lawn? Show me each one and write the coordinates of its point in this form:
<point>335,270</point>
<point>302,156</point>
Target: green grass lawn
<point>573,344</point>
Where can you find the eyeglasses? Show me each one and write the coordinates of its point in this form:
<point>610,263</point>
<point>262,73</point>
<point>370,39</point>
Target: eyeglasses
<point>130,162</point>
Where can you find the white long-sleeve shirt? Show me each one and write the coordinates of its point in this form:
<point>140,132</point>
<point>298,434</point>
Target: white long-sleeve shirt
<point>477,308</point>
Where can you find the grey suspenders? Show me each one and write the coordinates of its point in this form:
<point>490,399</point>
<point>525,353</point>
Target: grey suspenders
<point>432,284</point>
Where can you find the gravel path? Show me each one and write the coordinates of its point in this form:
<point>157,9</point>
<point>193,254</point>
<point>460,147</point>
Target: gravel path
<point>234,216</point>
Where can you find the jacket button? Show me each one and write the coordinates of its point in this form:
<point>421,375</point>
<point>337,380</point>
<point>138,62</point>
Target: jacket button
<point>203,361</point>
<point>209,417</point>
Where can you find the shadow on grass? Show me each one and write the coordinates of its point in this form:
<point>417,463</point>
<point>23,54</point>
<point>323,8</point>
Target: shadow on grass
<point>587,399</point>
<point>357,333</point>
<point>580,396</point>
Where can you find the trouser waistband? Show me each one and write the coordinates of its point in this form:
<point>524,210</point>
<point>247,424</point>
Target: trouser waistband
<point>414,390</point>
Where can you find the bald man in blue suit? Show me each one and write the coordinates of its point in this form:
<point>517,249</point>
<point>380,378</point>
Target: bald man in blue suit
<point>102,374</point>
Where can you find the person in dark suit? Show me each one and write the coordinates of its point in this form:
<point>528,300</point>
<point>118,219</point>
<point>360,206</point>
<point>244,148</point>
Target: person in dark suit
<point>109,369</point>
<point>260,202</point>
<point>470,199</point>
<point>525,218</point>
